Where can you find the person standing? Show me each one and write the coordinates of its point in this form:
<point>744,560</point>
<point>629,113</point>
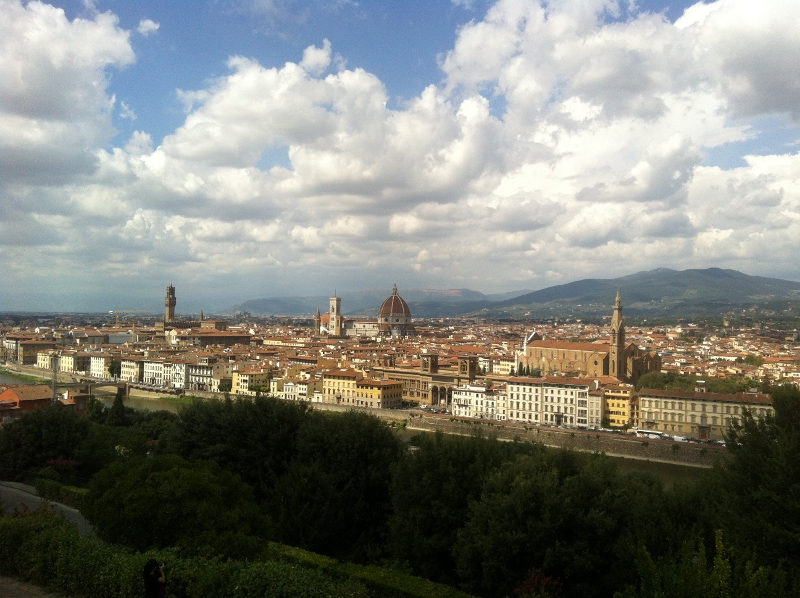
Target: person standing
<point>155,580</point>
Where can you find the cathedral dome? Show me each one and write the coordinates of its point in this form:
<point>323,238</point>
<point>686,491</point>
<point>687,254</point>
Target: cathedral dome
<point>394,305</point>
<point>394,316</point>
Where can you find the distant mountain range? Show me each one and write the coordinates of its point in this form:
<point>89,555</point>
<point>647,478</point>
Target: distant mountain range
<point>662,292</point>
<point>367,302</point>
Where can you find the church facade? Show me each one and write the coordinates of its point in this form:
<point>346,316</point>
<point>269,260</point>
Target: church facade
<point>624,361</point>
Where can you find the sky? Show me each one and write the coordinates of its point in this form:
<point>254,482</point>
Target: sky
<point>240,149</point>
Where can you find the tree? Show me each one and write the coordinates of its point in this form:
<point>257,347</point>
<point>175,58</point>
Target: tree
<point>39,436</point>
<point>254,438</point>
<point>570,516</point>
<point>335,497</point>
<point>692,574</point>
<point>225,385</point>
<point>117,416</point>
<point>760,485</point>
<point>166,501</point>
<point>432,488</point>
<point>754,360</point>
<point>115,368</point>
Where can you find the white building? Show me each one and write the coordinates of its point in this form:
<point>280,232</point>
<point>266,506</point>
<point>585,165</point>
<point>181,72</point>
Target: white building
<point>131,369</point>
<point>99,364</point>
<point>177,374</point>
<point>153,372</point>
<point>475,400</point>
<point>552,400</point>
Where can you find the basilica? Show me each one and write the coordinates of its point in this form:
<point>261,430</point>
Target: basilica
<point>625,362</point>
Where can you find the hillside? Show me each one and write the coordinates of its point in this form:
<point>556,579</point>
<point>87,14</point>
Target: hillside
<point>368,302</point>
<point>661,292</point>
<point>656,292</point>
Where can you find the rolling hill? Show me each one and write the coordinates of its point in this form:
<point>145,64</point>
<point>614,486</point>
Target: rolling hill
<point>660,292</point>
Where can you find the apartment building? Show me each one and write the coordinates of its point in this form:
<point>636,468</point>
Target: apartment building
<point>379,394</point>
<point>617,405</point>
<point>75,362</point>
<point>477,400</point>
<point>339,385</point>
<point>552,400</point>
<point>246,380</point>
<point>131,369</point>
<point>703,415</point>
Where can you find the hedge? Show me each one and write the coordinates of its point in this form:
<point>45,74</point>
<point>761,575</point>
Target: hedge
<point>44,549</point>
<point>384,582</point>
<point>71,496</point>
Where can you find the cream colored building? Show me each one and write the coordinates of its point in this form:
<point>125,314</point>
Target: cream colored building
<point>75,362</point>
<point>246,379</point>
<point>300,389</point>
<point>131,369</point>
<point>703,415</point>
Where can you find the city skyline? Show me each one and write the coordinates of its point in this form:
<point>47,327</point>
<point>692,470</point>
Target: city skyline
<point>248,149</point>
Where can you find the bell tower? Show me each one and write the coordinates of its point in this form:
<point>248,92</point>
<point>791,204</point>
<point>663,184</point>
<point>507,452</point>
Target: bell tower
<point>335,323</point>
<point>619,364</point>
<point>169,304</point>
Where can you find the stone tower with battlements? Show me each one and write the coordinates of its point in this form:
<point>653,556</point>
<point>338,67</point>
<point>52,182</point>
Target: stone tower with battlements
<point>169,304</point>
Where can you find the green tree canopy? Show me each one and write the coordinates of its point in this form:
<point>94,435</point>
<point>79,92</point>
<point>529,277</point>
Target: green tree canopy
<point>760,485</point>
<point>432,488</point>
<point>335,496</point>
<point>570,516</point>
<point>29,442</point>
<point>254,438</point>
<point>167,501</point>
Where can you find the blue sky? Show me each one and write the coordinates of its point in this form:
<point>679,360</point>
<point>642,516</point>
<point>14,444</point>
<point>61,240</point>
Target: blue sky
<point>251,148</point>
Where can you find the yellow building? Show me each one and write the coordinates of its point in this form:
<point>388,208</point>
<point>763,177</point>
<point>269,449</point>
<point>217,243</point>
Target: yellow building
<point>339,385</point>
<point>379,394</point>
<point>245,380</point>
<point>704,415</point>
<point>617,405</point>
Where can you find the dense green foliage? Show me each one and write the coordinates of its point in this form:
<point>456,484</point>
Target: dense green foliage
<point>71,496</point>
<point>256,439</point>
<point>673,381</point>
<point>431,492</point>
<point>760,487</point>
<point>166,501</point>
<point>45,550</point>
<point>335,497</point>
<point>689,574</point>
<point>570,515</point>
<point>28,443</point>
<point>323,478</point>
<point>495,519</point>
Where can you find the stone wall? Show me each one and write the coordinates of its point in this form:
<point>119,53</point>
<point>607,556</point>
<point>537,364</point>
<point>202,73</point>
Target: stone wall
<point>617,445</point>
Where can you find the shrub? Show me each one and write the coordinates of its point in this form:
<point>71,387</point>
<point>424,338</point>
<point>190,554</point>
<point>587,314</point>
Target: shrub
<point>67,495</point>
<point>45,550</point>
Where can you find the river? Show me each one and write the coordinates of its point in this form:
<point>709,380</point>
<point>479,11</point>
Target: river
<point>107,397</point>
<point>142,403</point>
<point>9,380</point>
